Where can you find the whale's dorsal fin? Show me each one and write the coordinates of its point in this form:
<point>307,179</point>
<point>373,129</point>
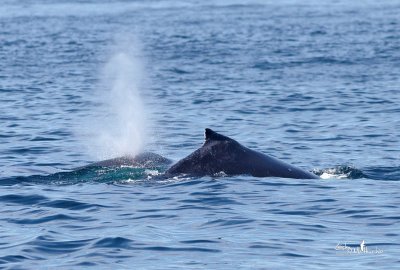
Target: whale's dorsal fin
<point>211,135</point>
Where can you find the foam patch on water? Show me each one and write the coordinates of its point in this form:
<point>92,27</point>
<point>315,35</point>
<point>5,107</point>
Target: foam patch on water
<point>340,172</point>
<point>327,175</point>
<point>152,172</point>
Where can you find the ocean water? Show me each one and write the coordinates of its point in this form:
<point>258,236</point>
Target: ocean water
<point>314,83</point>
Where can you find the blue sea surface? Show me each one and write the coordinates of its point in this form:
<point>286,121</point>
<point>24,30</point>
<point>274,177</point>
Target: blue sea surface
<point>314,83</point>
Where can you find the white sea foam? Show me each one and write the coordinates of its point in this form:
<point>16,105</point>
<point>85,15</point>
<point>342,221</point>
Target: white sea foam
<point>332,175</point>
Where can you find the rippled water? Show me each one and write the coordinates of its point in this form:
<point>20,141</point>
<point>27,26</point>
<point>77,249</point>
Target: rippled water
<point>314,83</point>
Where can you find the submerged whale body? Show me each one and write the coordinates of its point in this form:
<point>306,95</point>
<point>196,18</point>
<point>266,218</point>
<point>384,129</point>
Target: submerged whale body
<point>142,160</point>
<point>223,154</point>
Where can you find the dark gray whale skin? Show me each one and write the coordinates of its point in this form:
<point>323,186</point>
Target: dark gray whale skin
<point>142,160</point>
<point>223,154</point>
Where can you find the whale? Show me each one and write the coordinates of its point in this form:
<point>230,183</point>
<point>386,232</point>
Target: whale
<point>221,154</point>
<point>142,160</point>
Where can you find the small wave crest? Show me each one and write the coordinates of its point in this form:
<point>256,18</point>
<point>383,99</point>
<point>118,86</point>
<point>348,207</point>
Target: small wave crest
<point>340,172</point>
<point>351,172</point>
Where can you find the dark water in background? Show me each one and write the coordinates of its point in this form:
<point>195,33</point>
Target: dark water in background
<point>313,83</point>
